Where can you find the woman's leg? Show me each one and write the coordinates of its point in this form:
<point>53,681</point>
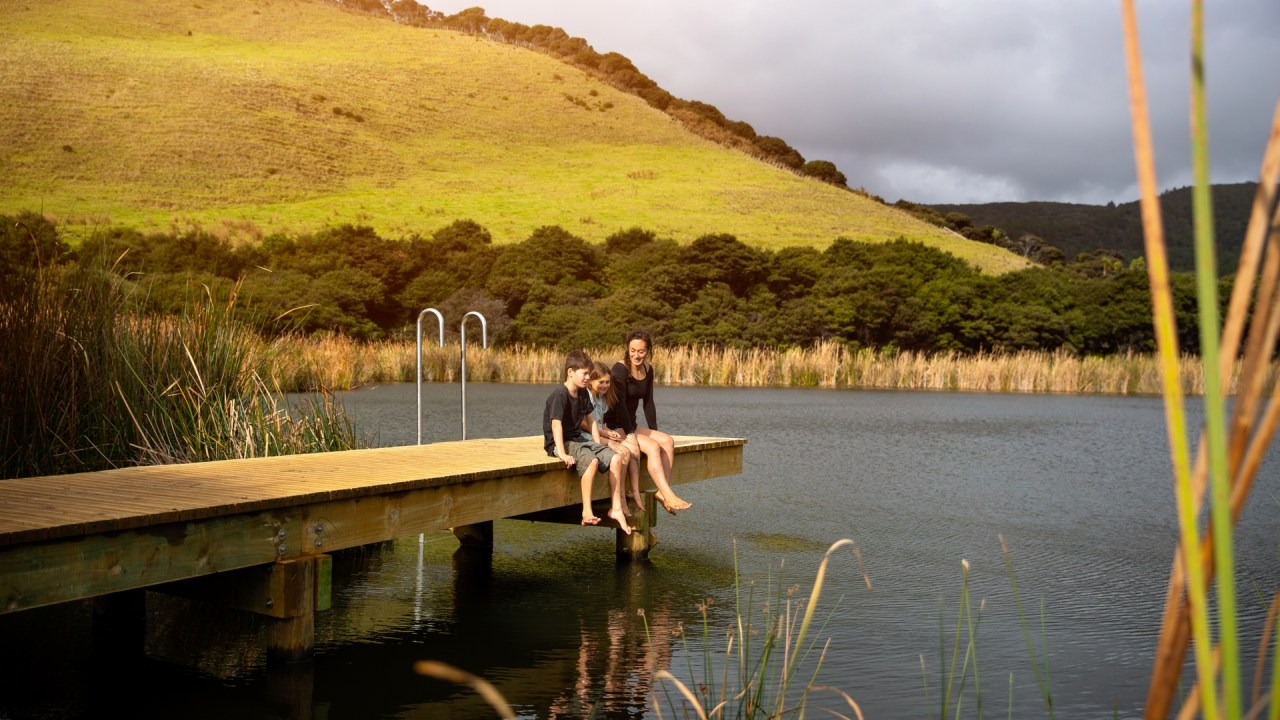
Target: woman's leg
<point>659,472</point>
<point>666,442</point>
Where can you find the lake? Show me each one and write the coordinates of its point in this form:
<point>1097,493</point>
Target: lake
<point>1078,487</point>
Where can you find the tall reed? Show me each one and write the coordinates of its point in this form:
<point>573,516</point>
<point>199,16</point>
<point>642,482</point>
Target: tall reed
<point>341,363</point>
<point>1234,439</point>
<point>90,381</point>
<point>768,671</point>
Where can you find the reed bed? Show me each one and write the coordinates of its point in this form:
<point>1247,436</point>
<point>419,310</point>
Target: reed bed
<point>338,362</point>
<point>90,381</point>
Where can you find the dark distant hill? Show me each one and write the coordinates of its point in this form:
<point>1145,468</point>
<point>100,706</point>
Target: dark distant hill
<point>1076,229</point>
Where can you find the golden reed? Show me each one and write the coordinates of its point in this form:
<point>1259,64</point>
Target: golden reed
<point>336,363</point>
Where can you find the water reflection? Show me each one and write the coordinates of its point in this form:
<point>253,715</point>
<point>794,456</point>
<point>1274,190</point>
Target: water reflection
<point>1078,486</point>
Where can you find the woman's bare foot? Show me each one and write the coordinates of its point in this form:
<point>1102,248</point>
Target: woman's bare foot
<point>673,504</point>
<point>618,516</point>
<point>590,519</point>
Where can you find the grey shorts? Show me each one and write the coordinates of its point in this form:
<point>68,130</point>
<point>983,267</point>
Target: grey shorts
<point>584,452</point>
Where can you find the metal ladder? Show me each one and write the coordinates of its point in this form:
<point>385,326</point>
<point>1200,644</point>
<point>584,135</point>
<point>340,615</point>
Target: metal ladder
<point>462,333</point>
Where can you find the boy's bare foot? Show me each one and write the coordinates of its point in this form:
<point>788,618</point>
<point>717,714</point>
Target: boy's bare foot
<point>590,520</point>
<point>618,516</point>
<point>673,504</point>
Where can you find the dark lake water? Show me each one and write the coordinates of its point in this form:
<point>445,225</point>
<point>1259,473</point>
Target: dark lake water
<point>1079,488</point>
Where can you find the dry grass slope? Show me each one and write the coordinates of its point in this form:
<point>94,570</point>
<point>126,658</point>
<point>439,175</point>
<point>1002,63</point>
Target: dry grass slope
<point>252,116</point>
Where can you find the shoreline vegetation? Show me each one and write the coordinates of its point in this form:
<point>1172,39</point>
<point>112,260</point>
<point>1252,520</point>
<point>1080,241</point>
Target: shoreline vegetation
<point>335,362</point>
<point>92,381</point>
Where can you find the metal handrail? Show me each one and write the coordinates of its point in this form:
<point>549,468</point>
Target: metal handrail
<point>484,337</point>
<point>440,323</point>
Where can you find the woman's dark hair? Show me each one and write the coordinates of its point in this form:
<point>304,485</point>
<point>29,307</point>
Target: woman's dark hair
<point>632,336</point>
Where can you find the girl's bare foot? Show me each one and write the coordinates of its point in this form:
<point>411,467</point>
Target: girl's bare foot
<point>590,519</point>
<point>618,516</point>
<point>673,504</point>
<point>638,499</point>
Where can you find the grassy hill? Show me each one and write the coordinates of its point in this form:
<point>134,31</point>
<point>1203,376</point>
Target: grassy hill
<point>258,116</point>
<point>1076,229</point>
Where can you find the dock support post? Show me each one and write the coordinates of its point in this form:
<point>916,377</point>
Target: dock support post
<point>292,638</point>
<point>479,535</point>
<point>637,545</point>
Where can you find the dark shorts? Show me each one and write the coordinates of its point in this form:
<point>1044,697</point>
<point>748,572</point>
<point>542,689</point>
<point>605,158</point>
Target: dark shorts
<point>584,452</point>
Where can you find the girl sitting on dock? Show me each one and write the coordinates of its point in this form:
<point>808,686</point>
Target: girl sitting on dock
<point>603,397</point>
<point>633,382</point>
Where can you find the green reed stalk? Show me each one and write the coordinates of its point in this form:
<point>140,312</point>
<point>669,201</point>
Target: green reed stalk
<point>1274,712</point>
<point>1042,673</point>
<point>1167,668</point>
<point>955,649</point>
<point>1215,405</point>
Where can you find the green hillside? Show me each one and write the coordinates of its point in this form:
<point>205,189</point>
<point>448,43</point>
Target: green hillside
<point>256,116</point>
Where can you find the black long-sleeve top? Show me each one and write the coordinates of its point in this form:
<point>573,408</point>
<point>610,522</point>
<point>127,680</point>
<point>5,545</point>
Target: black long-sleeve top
<point>630,392</point>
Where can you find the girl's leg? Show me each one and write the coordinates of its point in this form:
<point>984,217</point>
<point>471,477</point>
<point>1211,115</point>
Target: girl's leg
<point>625,459</point>
<point>633,470</point>
<point>616,468</point>
<point>658,471</point>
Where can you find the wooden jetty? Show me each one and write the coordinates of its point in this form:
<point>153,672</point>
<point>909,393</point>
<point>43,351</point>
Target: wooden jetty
<point>255,533</point>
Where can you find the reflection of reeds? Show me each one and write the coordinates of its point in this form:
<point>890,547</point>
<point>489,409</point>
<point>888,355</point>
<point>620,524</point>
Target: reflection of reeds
<point>1233,442</point>
<point>339,362</point>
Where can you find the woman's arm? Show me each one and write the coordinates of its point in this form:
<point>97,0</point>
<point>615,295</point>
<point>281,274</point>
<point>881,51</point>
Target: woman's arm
<point>650,410</point>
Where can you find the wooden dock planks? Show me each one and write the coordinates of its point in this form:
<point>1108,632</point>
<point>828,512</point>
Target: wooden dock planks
<point>72,536</point>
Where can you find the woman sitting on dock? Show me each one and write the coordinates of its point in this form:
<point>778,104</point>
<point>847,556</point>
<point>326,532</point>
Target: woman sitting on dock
<point>633,382</point>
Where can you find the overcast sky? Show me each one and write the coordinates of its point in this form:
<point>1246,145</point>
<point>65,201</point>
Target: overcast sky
<point>950,101</point>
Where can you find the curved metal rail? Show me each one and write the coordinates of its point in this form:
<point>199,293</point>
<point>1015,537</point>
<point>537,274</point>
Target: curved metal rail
<point>440,324</point>
<point>484,338</point>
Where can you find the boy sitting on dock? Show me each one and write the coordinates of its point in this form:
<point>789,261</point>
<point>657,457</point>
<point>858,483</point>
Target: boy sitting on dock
<point>564,438</point>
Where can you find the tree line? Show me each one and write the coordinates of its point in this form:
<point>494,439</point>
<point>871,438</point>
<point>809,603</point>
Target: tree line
<point>555,289</point>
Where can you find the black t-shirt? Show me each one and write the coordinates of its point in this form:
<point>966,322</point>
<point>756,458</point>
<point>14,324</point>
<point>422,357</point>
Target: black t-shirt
<point>569,410</point>
<point>631,393</point>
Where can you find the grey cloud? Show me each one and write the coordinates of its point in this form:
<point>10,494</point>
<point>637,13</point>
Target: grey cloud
<point>950,101</point>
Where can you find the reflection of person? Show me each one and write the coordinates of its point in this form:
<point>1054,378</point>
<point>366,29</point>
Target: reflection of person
<point>613,672</point>
<point>633,381</point>
<point>563,438</point>
<point>603,396</point>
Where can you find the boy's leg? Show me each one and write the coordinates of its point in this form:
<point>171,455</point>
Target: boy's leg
<point>615,492</point>
<point>587,480</point>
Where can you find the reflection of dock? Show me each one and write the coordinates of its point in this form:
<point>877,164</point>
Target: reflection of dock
<point>271,520</point>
